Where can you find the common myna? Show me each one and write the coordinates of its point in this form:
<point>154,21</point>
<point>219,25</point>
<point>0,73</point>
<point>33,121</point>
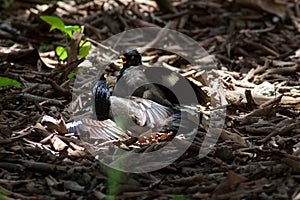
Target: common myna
<point>122,118</point>
<point>133,81</point>
<point>155,83</point>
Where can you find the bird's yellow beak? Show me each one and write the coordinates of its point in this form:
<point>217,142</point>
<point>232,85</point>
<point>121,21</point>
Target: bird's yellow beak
<point>122,57</point>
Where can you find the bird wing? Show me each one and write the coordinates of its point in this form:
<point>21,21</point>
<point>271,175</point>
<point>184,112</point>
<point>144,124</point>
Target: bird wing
<point>153,112</point>
<point>90,129</point>
<point>134,82</point>
<point>139,115</point>
<point>174,81</point>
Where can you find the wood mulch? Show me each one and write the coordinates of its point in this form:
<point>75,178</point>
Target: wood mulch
<point>256,47</point>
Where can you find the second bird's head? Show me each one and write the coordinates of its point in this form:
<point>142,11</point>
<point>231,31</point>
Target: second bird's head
<point>131,58</point>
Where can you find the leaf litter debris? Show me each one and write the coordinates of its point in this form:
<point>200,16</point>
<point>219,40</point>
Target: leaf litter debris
<point>255,44</point>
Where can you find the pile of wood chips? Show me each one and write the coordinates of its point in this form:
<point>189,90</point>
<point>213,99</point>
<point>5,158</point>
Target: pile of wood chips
<point>256,47</point>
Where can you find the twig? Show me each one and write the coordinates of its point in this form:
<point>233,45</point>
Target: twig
<point>14,139</point>
<point>157,39</point>
<point>34,98</point>
<point>58,88</point>
<point>15,195</point>
<point>261,47</point>
<point>41,166</point>
<point>272,101</point>
<point>282,130</point>
<point>250,102</point>
<point>102,46</point>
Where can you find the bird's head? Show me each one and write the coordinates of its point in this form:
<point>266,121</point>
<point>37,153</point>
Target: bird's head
<point>131,58</point>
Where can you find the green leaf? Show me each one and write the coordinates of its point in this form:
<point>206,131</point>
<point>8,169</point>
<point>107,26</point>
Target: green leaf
<point>42,48</point>
<point>61,52</point>
<point>69,29</point>
<point>9,42</point>
<point>55,23</point>
<point>71,75</point>
<point>84,49</point>
<point>9,82</point>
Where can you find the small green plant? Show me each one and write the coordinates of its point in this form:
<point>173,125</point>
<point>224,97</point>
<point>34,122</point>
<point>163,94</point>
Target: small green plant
<point>42,48</point>
<point>67,31</point>
<point>113,182</point>
<point>4,81</point>
<point>4,3</point>
<point>9,42</point>
<point>3,197</point>
<point>178,197</point>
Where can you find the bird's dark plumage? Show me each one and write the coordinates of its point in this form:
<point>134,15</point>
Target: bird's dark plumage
<point>130,58</point>
<point>134,112</point>
<point>132,115</point>
<point>153,83</point>
<point>101,98</point>
<point>132,80</point>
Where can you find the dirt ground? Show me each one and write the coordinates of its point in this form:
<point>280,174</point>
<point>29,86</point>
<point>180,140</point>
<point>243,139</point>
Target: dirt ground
<point>255,45</point>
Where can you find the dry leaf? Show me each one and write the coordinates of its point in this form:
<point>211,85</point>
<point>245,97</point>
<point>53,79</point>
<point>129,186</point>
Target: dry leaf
<point>270,6</point>
<point>226,135</point>
<point>54,124</point>
<point>230,183</point>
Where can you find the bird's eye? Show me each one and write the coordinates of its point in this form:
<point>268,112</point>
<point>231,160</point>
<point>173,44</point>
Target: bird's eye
<point>132,57</point>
